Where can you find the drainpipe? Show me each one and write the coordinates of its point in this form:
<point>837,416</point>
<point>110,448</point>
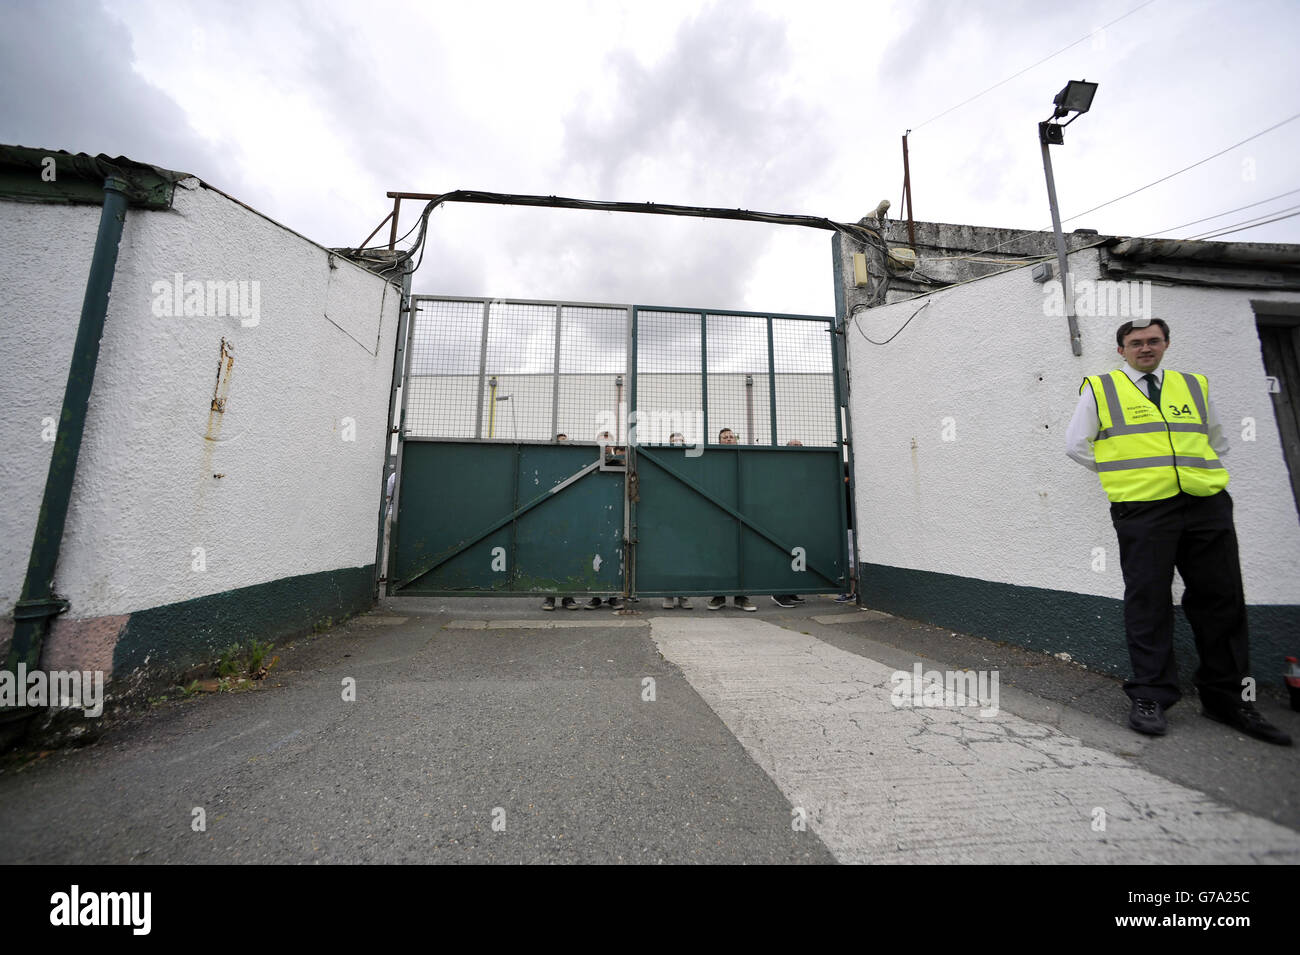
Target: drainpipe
<point>38,603</point>
<point>404,316</point>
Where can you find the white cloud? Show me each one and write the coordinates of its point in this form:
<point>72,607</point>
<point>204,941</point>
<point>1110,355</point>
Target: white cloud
<point>309,112</point>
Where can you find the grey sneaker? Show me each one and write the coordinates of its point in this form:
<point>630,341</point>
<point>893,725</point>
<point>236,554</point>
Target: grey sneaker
<point>568,603</point>
<point>548,603</point>
<point>744,603</point>
<point>684,603</point>
<point>717,603</point>
<point>670,603</point>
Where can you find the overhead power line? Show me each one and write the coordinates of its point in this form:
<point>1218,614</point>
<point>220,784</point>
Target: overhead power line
<point>1021,235</point>
<point>1250,223</point>
<point>1199,162</point>
<point>1070,46</point>
<point>1219,215</point>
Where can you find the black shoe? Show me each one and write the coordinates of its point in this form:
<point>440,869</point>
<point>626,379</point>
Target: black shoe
<point>782,600</point>
<point>568,603</point>
<point>717,603</point>
<point>796,598</point>
<point>592,604</point>
<point>1244,717</point>
<point>548,603</point>
<point>1148,716</point>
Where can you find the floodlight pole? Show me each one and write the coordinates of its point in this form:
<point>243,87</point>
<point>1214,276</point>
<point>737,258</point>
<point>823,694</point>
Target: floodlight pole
<point>1067,283</point>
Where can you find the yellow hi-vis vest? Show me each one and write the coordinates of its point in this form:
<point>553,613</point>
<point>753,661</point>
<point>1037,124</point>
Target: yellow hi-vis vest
<point>1145,453</point>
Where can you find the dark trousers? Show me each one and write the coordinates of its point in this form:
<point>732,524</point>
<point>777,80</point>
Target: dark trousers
<point>1195,535</point>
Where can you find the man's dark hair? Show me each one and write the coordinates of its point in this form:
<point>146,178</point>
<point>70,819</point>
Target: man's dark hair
<point>1128,327</point>
<point>722,432</point>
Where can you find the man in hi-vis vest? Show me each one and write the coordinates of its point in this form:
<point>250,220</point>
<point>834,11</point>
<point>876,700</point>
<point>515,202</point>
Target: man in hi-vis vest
<point>1155,441</point>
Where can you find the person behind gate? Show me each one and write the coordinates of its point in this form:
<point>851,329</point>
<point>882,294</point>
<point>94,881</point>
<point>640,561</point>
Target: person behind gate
<point>1155,441</point>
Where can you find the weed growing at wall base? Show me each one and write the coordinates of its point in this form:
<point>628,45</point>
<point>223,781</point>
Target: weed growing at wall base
<point>194,299</point>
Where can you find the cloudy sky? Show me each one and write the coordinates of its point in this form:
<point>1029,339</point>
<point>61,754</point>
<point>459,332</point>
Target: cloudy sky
<point>311,111</point>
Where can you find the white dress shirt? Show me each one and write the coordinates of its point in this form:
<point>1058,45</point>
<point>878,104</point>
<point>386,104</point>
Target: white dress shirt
<point>1085,424</point>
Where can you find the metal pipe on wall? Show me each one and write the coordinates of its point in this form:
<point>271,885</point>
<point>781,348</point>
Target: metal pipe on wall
<point>38,603</point>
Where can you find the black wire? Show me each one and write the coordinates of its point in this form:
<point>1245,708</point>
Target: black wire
<point>858,325</point>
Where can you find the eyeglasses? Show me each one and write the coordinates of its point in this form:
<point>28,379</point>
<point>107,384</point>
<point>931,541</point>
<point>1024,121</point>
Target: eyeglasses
<point>1139,343</point>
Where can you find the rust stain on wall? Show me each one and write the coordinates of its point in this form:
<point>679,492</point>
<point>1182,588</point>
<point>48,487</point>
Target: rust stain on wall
<point>221,393</point>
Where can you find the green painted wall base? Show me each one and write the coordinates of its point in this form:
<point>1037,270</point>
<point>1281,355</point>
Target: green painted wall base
<point>1090,629</point>
<point>178,635</point>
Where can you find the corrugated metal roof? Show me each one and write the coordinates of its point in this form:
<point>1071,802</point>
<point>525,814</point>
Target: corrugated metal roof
<point>55,175</point>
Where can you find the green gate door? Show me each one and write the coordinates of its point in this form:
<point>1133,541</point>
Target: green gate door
<point>766,514</point>
<point>521,470</point>
<point>507,518</point>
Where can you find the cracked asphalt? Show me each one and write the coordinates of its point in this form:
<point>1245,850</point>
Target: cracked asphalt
<point>489,731</point>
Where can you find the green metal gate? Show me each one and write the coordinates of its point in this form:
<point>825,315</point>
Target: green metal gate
<point>522,469</point>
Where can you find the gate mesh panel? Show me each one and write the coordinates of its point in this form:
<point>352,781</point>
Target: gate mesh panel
<point>739,396</point>
<point>669,389</point>
<point>548,368</point>
<point>593,387</point>
<point>518,380</point>
<point>805,385</point>
<point>442,387</point>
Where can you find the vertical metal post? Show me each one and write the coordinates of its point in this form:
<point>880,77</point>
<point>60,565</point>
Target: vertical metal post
<point>555,385</point>
<point>907,194</point>
<point>618,411</point>
<point>482,373</point>
<point>403,352</point>
<point>392,235</point>
<point>1067,283</point>
<point>736,459</point>
<point>704,374</point>
<point>632,364</point>
<point>771,378</point>
<point>844,442</point>
<point>749,407</point>
<point>630,479</point>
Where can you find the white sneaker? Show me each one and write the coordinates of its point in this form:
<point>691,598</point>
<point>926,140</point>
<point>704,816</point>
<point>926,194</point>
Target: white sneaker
<point>669,603</point>
<point>684,603</point>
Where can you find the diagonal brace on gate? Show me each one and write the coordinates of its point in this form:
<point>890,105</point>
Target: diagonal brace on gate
<point>745,521</point>
<point>496,526</point>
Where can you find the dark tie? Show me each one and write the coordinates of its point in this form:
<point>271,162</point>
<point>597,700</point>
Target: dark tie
<point>1153,389</point>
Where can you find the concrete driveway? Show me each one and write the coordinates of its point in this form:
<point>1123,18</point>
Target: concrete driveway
<point>490,731</point>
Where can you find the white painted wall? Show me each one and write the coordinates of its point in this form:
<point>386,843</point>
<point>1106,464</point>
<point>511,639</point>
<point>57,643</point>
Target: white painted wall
<point>43,270</point>
<point>296,496</point>
<point>1002,502</point>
